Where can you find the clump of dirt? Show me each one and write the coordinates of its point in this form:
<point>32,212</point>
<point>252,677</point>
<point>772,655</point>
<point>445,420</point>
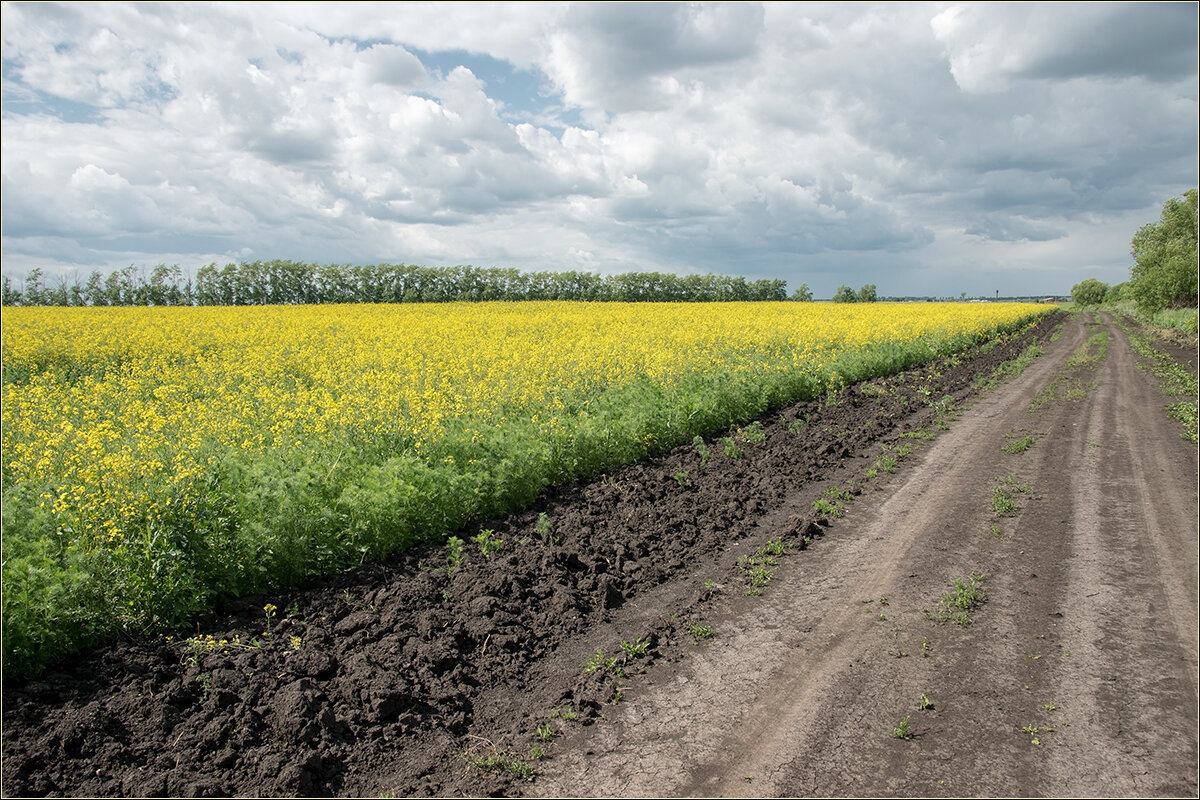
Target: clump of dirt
<point>423,676</point>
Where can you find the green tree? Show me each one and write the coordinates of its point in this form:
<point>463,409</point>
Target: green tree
<point>1165,273</point>
<point>845,294</point>
<point>867,294</point>
<point>803,294</point>
<point>1089,292</point>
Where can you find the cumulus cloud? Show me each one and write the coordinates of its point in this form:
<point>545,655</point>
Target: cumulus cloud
<point>993,45</point>
<point>871,143</point>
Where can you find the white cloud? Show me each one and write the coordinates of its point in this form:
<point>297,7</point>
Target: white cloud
<point>991,46</point>
<point>845,142</point>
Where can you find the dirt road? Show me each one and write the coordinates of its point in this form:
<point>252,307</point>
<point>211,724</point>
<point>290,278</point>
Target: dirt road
<point>1075,498</point>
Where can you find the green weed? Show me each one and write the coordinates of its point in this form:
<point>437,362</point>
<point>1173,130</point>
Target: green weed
<point>1015,446</point>
<point>730,449</point>
<point>1006,496</point>
<point>957,603</point>
<point>544,528</point>
<point>488,546</point>
<point>753,433</point>
<point>455,554</point>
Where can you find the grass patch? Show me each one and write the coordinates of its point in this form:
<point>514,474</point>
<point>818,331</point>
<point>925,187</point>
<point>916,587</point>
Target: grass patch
<point>1013,446</point>
<point>957,604</point>
<point>1008,496</point>
<point>1008,369</point>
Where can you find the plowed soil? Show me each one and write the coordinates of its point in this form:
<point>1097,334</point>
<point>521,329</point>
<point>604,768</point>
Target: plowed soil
<point>1076,675</point>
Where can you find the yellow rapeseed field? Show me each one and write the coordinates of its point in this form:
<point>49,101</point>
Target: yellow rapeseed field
<point>173,440</point>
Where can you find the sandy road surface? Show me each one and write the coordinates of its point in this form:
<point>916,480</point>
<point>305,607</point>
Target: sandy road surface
<point>1076,676</point>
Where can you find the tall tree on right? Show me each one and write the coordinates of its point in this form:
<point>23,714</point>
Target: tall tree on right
<point>1165,271</point>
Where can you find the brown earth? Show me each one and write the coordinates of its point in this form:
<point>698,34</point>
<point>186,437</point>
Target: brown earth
<point>408,680</point>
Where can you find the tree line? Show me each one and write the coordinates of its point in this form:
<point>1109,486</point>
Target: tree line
<point>1166,269</point>
<point>293,282</point>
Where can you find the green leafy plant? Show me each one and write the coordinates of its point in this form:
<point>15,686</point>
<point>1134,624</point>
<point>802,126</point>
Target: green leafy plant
<point>544,732</point>
<point>683,479</point>
<point>796,426</point>
<point>636,648</point>
<point>1006,495</point>
<point>488,546</point>
<point>702,449</point>
<point>902,730</point>
<point>455,554</point>
<point>826,508</point>
<point>959,601</point>
<point>730,449</point>
<point>701,631</point>
<point>753,433</point>
<point>598,662</point>
<point>1015,446</point>
<point>926,705</point>
<point>544,528</point>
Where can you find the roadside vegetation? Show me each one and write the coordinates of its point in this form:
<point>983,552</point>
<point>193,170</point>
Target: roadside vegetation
<point>1162,286</point>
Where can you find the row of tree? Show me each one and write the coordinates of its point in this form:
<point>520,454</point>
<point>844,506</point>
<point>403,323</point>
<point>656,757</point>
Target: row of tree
<point>293,282</point>
<point>1166,269</point>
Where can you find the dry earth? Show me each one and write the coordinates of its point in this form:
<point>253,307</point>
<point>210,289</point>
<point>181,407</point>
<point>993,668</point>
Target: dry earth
<point>1088,631</point>
<point>410,679</point>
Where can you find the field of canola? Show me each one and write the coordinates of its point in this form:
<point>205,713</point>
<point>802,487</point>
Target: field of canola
<point>159,460</point>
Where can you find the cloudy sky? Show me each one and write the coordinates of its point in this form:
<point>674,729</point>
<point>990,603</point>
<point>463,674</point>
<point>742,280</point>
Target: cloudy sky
<point>930,149</point>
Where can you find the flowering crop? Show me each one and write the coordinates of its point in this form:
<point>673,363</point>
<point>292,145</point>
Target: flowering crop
<point>156,460</point>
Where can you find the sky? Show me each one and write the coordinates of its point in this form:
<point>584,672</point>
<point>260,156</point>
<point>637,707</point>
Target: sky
<point>929,149</point>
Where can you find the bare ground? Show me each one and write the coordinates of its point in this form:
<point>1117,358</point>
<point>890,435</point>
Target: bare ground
<point>1088,632</point>
<point>406,679</point>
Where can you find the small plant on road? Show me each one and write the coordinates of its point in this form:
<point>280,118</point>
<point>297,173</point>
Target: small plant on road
<point>1016,446</point>
<point>1006,495</point>
<point>959,601</point>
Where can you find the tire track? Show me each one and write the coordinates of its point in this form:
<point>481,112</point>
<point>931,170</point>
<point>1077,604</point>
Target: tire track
<point>802,691</point>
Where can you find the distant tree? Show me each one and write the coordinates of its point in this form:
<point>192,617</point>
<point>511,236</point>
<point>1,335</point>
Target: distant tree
<point>1089,292</point>
<point>1116,292</point>
<point>845,294</point>
<point>803,294</point>
<point>1165,273</point>
<point>11,296</point>
<point>867,294</point>
<point>34,291</point>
